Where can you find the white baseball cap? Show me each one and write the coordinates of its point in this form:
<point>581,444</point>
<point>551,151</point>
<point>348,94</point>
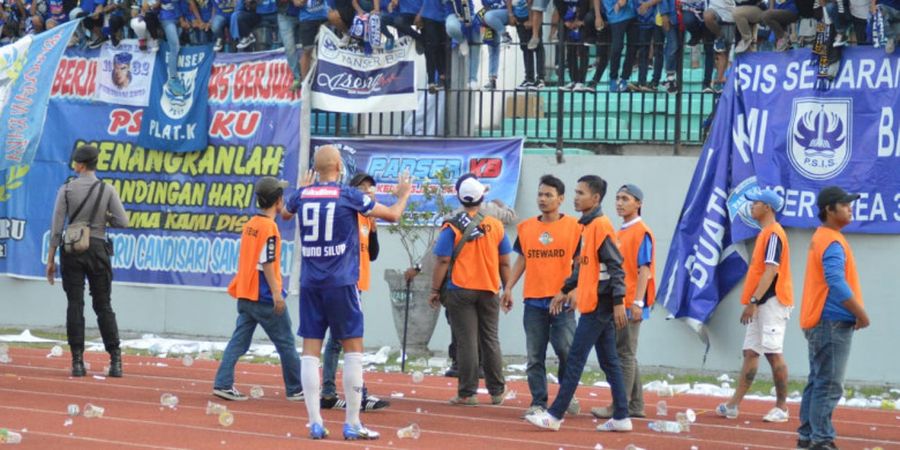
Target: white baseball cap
<point>469,190</point>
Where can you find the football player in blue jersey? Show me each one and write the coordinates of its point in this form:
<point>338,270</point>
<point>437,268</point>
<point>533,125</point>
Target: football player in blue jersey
<point>329,272</point>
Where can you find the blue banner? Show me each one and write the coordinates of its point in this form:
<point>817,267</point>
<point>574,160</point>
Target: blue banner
<point>174,121</point>
<point>185,209</point>
<point>27,67</point>
<point>497,162</point>
<point>778,127</point>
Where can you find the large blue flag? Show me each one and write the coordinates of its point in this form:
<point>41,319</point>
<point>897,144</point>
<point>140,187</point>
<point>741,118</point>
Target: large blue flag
<point>778,126</point>
<point>27,68</point>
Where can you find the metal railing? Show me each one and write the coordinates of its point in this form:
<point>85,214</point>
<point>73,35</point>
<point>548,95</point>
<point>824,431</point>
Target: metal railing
<point>549,116</point>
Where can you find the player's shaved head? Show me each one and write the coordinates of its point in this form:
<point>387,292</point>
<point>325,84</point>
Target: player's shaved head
<point>328,160</point>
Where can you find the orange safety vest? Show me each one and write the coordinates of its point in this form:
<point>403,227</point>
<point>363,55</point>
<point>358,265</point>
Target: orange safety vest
<point>815,287</point>
<point>366,224</point>
<point>255,236</point>
<point>478,265</point>
<point>548,249</point>
<point>784,287</point>
<point>592,238</point>
<point>630,240</point>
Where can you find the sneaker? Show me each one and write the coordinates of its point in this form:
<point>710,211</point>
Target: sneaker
<point>803,444</point>
<point>491,85</point>
<point>724,411</point>
<point>345,41</point>
<point>623,86</point>
<point>245,42</point>
<point>453,371</point>
<point>580,87</point>
<point>464,401</point>
<point>506,38</point>
<point>708,89</point>
<point>359,433</point>
<point>545,420</point>
<point>533,43</point>
<point>373,403</point>
<point>567,87</point>
<point>298,397</point>
<point>742,46</point>
<point>613,86</point>
<point>332,403</point>
<point>776,415</point>
<point>828,445</point>
<point>525,86</point>
<point>473,85</point>
<point>176,87</point>
<point>464,48</point>
<point>534,409</point>
<point>783,44</point>
<point>574,407</point>
<point>719,45</point>
<point>671,86</point>
<point>839,40</point>
<point>317,431</point>
<point>220,44</point>
<point>540,84</point>
<point>229,394</point>
<point>616,425</point>
<point>497,400</point>
<point>593,84</point>
<point>889,46</point>
<point>602,412</point>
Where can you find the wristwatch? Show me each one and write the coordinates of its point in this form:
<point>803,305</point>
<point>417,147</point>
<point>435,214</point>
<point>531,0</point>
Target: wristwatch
<point>754,300</point>
<point>639,303</point>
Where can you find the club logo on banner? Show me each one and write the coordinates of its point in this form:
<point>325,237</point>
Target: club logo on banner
<point>753,146</point>
<point>819,142</point>
<point>173,122</point>
<point>351,81</point>
<point>27,72</point>
<point>126,74</point>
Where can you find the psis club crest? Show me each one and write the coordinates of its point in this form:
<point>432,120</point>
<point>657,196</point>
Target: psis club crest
<point>819,137</point>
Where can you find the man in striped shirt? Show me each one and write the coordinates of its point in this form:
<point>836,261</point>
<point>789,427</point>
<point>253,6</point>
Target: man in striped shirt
<point>768,298</point>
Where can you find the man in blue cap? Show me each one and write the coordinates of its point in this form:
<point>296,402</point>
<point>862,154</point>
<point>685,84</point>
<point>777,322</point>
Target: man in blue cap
<point>768,298</point>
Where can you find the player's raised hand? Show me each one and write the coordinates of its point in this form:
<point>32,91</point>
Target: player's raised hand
<point>404,185</point>
<point>308,178</point>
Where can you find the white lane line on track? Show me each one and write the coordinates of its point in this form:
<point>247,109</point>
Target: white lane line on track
<point>97,440</point>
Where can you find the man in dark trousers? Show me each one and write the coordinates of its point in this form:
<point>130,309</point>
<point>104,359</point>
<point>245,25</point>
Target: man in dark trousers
<point>87,199</point>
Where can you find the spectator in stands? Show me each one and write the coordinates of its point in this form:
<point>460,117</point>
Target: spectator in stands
<point>497,15</point>
<point>313,14</point>
<point>221,18</point>
<point>671,26</point>
<point>746,14</point>
<point>9,22</point>
<point>692,12</point>
<point>623,24</point>
<point>170,19</point>
<point>288,30</point>
<point>461,28</point>
<point>145,23</point>
<point>650,36</point>
<point>890,11</point>
<point>202,12</point>
<point>533,58</point>
<point>859,11</point>
<point>596,19</point>
<point>778,18</point>
<point>93,20</point>
<point>537,22</point>
<point>253,14</point>
<point>719,20</point>
<point>401,14</point>
<point>573,13</point>
<point>431,19</point>
<point>116,19</point>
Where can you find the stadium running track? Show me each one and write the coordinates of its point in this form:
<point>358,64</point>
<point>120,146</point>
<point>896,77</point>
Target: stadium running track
<point>35,391</point>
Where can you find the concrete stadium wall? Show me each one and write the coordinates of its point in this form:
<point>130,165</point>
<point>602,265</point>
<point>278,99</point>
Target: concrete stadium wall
<point>664,179</point>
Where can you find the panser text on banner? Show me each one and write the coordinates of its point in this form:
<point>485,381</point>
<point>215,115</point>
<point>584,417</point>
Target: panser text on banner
<point>774,129</point>
<point>177,122</point>
<point>348,80</point>
<point>185,209</point>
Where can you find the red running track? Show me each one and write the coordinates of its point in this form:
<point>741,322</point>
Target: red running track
<point>35,391</point>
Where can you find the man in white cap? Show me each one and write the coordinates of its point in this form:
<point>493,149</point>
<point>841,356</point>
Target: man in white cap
<point>472,254</point>
<point>768,298</point>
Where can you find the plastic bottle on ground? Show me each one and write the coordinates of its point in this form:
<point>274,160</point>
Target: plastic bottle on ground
<point>187,360</point>
<point>418,376</point>
<point>213,408</point>
<point>9,437</point>
<point>93,411</point>
<point>257,392</point>
<point>56,351</point>
<point>167,399</point>
<point>412,431</point>
<point>73,410</point>
<point>226,419</point>
<point>665,426</point>
<point>662,409</point>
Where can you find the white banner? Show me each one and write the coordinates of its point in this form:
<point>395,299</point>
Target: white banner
<point>349,80</point>
<point>125,74</point>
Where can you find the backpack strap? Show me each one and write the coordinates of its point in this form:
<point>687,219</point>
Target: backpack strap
<point>83,202</point>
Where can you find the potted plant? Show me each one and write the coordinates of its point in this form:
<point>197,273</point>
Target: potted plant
<point>418,229</point>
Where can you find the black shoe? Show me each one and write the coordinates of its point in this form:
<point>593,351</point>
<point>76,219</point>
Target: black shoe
<point>828,445</point>
<point>803,444</point>
<point>331,403</point>
<point>452,372</point>
<point>115,363</point>
<point>78,364</point>
<point>372,403</point>
<point>229,394</point>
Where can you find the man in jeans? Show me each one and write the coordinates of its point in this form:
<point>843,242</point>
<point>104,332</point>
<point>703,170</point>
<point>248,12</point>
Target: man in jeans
<point>832,309</point>
<point>258,289</point>
<point>546,245</point>
<point>470,287</point>
<point>601,289</point>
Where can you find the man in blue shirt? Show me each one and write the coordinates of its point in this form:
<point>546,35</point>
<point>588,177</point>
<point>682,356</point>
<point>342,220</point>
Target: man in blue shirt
<point>329,298</point>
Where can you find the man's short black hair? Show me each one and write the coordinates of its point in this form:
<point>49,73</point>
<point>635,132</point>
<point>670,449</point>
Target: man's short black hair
<point>823,212</point>
<point>596,184</point>
<point>265,202</point>
<point>555,183</point>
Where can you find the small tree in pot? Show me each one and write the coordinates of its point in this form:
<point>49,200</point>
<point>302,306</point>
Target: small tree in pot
<point>418,230</point>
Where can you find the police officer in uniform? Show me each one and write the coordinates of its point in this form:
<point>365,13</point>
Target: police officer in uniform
<point>93,263</point>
